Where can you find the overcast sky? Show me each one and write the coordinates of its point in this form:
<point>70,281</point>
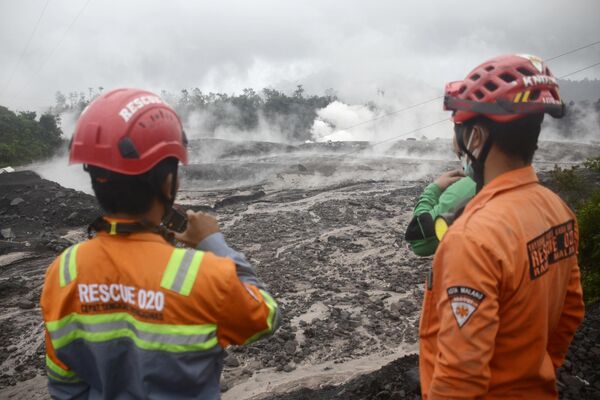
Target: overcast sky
<point>408,49</point>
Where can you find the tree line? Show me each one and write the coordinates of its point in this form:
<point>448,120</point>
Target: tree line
<point>24,137</point>
<point>292,114</point>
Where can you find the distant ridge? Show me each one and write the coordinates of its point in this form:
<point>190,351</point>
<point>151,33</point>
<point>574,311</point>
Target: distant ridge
<point>585,89</point>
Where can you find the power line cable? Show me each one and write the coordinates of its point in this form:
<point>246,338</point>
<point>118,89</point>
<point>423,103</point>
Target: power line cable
<point>398,137</point>
<point>62,39</point>
<point>441,97</point>
<point>371,145</point>
<point>572,51</point>
<point>385,115</point>
<point>580,70</point>
<point>447,119</point>
<point>31,35</point>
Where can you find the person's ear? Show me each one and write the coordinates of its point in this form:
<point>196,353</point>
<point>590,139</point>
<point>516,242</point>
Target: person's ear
<point>479,134</point>
<point>166,187</point>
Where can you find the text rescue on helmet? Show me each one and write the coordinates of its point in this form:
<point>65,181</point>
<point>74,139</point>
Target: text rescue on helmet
<point>137,104</point>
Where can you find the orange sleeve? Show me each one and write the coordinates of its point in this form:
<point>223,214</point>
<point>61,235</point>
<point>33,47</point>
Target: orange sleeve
<point>63,383</point>
<point>570,318</point>
<point>466,287</point>
<point>247,313</point>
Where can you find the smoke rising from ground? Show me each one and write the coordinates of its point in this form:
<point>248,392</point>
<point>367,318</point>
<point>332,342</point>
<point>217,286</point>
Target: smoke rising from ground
<point>377,122</point>
<point>290,120</point>
<point>580,124</point>
<point>58,170</point>
<point>196,123</point>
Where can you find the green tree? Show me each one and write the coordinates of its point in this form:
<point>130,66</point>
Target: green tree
<point>24,138</point>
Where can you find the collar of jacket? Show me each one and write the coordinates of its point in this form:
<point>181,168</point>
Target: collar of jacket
<point>507,181</point>
<point>137,236</point>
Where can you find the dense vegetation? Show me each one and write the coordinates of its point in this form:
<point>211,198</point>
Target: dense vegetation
<point>25,138</point>
<point>584,197</point>
<point>290,114</point>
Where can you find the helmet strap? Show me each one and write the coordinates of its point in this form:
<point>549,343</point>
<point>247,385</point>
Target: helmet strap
<point>478,163</point>
<point>168,202</point>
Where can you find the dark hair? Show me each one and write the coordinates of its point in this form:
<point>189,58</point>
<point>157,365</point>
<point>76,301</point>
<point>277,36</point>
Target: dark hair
<point>130,194</point>
<point>516,138</point>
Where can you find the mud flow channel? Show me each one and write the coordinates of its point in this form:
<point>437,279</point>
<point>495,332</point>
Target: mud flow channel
<point>325,232</point>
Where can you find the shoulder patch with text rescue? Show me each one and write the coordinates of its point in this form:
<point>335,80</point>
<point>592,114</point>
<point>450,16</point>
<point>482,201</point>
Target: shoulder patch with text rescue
<point>464,302</point>
<point>556,244</point>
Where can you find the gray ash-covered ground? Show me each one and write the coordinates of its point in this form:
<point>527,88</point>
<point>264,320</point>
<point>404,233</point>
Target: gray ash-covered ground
<point>325,232</point>
<point>35,213</point>
<point>578,378</point>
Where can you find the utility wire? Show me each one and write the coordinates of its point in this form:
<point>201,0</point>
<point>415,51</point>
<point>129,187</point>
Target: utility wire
<point>440,97</point>
<point>62,39</point>
<point>370,145</point>
<point>579,70</point>
<point>363,122</point>
<point>31,35</point>
<point>398,137</point>
<point>447,119</point>
<point>572,51</point>
<point>390,113</point>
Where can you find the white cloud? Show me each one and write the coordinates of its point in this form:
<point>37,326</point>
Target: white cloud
<point>349,45</point>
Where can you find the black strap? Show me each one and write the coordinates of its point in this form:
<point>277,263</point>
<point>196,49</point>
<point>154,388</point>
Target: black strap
<point>504,107</point>
<point>123,228</point>
<point>421,227</point>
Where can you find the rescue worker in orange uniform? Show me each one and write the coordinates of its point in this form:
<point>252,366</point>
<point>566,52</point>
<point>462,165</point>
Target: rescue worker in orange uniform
<point>503,299</point>
<point>127,314</point>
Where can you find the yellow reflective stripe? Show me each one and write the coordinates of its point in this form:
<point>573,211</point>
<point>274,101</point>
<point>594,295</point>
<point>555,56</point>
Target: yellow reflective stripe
<point>172,267</point>
<point>145,335</point>
<point>113,228</point>
<point>58,378</point>
<point>68,266</point>
<point>518,97</point>
<point>272,306</point>
<point>61,269</point>
<point>526,96</point>
<point>181,272</point>
<point>58,373</point>
<point>192,272</point>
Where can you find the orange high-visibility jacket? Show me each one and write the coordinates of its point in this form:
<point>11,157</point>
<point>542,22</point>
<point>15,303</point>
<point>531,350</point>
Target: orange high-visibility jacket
<point>130,316</point>
<point>504,299</point>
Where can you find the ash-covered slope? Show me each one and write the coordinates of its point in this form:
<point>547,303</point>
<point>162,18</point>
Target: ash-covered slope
<point>35,212</point>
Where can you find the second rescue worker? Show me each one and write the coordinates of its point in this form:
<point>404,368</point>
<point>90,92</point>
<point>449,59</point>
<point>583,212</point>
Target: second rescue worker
<point>127,315</point>
<point>504,297</point>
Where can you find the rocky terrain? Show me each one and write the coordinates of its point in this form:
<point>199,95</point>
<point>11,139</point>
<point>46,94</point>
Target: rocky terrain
<point>325,231</point>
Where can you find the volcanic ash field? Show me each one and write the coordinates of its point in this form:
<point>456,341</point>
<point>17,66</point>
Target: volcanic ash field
<point>324,226</point>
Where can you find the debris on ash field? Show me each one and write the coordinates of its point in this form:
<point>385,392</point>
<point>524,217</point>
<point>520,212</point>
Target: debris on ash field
<point>324,230</point>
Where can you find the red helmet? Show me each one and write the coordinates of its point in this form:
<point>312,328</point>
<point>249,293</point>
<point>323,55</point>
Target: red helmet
<point>128,131</point>
<point>504,89</point>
